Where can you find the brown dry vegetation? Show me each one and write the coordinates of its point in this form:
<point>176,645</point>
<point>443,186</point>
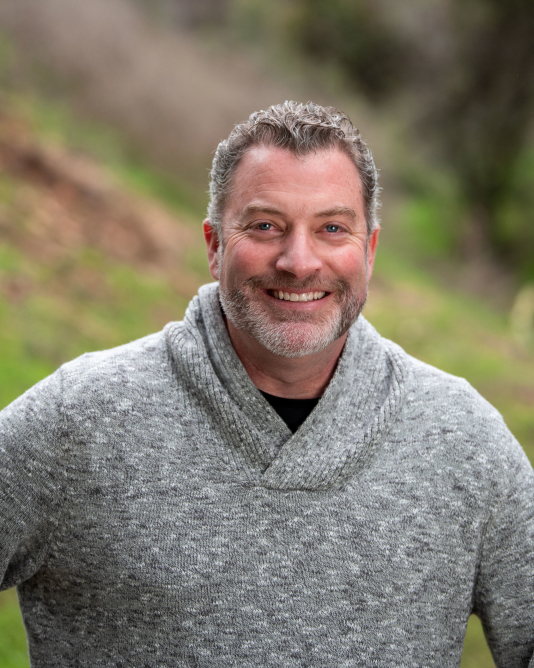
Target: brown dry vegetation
<point>177,98</point>
<point>60,203</point>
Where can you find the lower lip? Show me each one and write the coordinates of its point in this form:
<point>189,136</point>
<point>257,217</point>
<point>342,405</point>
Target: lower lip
<point>311,305</point>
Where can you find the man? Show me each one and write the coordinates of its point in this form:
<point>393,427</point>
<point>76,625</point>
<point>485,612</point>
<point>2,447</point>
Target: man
<point>157,510</point>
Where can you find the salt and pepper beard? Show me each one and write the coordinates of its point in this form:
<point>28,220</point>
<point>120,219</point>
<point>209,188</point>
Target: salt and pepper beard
<point>290,333</point>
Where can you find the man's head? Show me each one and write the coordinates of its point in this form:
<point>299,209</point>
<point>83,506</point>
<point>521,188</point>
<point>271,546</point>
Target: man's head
<point>295,229</point>
<point>301,129</point>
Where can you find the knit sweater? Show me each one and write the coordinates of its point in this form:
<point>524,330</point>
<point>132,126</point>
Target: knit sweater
<point>155,511</point>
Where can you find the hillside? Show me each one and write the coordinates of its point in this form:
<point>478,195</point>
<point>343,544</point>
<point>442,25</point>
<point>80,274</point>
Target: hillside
<point>84,261</point>
<point>87,262</point>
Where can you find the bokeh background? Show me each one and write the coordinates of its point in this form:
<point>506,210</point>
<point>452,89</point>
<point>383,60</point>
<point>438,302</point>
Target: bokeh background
<point>110,111</point>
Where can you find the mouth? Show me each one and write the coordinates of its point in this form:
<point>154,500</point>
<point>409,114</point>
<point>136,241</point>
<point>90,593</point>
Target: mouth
<point>296,296</point>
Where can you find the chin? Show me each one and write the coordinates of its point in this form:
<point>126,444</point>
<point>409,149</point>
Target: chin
<point>295,340</point>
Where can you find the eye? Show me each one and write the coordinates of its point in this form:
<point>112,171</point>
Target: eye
<point>332,228</point>
<point>264,226</point>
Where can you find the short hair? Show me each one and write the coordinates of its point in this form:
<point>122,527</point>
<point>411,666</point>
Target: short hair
<point>302,129</point>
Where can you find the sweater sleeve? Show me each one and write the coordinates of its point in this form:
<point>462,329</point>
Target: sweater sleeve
<point>30,479</point>
<point>504,593</point>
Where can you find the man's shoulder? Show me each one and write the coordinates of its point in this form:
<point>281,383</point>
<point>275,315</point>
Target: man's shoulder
<point>130,360</point>
<point>432,383</point>
<point>450,404</point>
<point>425,381</point>
<point>435,393</point>
<point>131,372</point>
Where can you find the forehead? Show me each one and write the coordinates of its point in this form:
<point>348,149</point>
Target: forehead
<point>323,176</point>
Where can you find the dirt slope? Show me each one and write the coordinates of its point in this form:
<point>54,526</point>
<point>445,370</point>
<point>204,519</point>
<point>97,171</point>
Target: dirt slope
<point>54,203</point>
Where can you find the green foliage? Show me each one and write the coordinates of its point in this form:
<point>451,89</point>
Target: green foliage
<point>7,60</point>
<point>483,122</point>
<point>476,653</point>
<point>515,217</point>
<point>13,647</point>
<point>430,218</point>
<point>353,36</point>
<point>429,227</point>
<point>255,21</point>
<point>81,303</point>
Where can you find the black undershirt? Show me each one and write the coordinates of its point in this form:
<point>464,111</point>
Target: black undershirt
<point>292,411</point>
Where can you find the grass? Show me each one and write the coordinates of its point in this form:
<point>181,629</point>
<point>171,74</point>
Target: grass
<point>13,648</point>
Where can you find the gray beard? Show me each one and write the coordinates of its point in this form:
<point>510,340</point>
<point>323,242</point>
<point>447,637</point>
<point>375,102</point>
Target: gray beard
<point>291,334</point>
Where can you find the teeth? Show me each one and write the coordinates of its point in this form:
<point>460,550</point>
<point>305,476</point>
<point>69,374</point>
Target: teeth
<point>294,297</point>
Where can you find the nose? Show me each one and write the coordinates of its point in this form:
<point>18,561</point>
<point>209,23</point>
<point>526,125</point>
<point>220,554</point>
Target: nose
<point>298,255</point>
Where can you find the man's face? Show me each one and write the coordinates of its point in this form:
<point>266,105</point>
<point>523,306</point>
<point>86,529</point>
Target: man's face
<point>295,260</point>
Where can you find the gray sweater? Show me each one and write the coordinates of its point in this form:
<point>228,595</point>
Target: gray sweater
<point>156,512</point>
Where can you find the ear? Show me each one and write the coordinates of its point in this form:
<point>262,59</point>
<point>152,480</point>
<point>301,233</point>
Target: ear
<point>212,244</point>
<point>371,252</point>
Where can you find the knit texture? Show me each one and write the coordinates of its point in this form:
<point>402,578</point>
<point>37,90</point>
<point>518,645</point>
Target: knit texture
<point>155,511</point>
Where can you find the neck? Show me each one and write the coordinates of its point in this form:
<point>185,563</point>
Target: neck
<point>289,377</point>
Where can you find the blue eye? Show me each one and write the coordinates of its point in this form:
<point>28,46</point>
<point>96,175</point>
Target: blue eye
<point>264,226</point>
<point>332,228</point>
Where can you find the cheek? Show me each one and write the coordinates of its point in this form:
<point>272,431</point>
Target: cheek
<point>246,259</point>
<point>349,264</point>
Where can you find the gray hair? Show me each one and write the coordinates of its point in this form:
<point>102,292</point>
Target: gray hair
<point>302,129</point>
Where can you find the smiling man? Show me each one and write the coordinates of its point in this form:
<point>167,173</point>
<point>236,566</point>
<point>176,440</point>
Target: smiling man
<point>269,482</point>
<point>293,262</point>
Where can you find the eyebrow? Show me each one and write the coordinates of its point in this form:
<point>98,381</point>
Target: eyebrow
<point>327,213</point>
<point>337,211</point>
<point>258,208</point>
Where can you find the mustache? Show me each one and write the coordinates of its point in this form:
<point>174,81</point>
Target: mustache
<point>311,283</point>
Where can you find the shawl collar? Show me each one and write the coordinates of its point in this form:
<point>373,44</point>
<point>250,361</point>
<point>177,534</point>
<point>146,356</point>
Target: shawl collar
<point>365,394</point>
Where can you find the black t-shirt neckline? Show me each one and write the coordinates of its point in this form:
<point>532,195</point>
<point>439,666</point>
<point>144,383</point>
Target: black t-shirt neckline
<point>292,411</point>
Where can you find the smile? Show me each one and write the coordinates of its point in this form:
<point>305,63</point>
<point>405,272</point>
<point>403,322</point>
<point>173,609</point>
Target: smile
<point>294,297</point>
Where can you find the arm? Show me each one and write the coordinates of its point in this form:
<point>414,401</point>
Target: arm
<point>504,594</point>
<point>31,479</point>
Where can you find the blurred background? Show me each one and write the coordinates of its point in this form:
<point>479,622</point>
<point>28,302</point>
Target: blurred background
<point>110,111</point>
